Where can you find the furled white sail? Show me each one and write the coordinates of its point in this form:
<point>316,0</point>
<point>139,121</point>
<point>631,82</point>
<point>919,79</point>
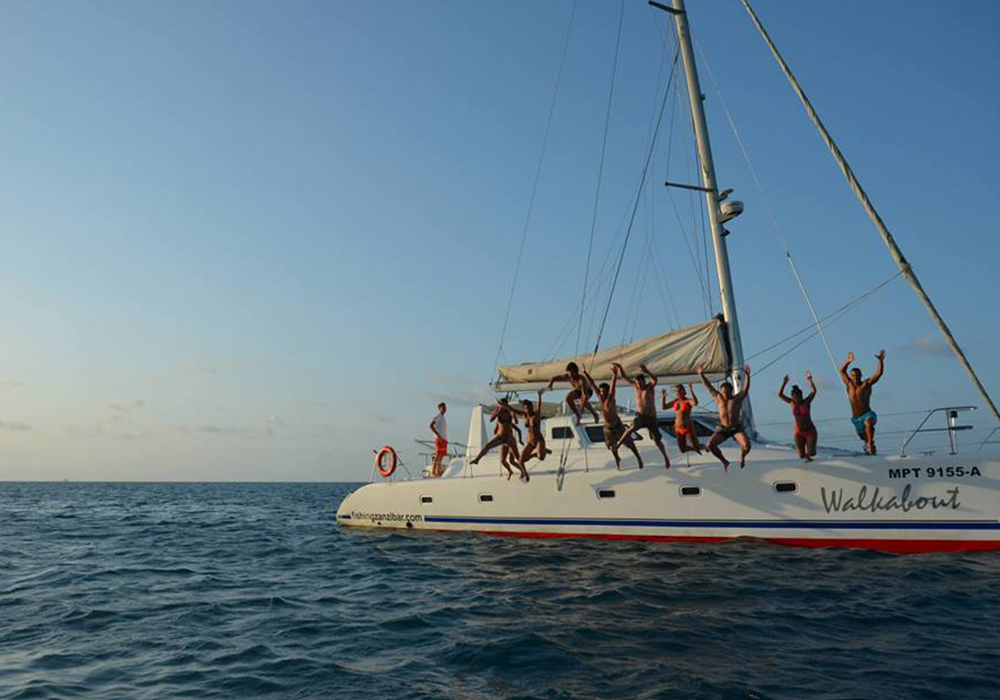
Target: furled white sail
<point>671,356</point>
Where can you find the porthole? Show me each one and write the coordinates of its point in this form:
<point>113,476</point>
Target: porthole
<point>786,486</point>
<point>485,498</point>
<point>426,499</point>
<point>690,490</point>
<point>606,493</point>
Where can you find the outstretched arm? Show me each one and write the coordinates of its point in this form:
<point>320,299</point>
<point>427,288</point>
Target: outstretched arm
<point>746,381</point>
<point>558,378</point>
<point>539,409</point>
<point>708,385</point>
<point>614,382</point>
<point>781,391</point>
<point>652,377</point>
<point>878,370</point>
<point>622,373</point>
<point>812,386</point>
<point>843,368</point>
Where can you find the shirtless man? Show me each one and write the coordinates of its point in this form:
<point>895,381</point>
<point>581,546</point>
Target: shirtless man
<point>439,426</point>
<point>505,448</point>
<point>535,447</point>
<point>504,417</point>
<point>683,425</point>
<point>730,416</point>
<point>580,392</point>
<point>859,392</point>
<point>645,404</point>
<point>614,429</point>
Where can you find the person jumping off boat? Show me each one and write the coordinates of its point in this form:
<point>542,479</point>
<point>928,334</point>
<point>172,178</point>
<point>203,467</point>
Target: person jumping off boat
<point>730,416</point>
<point>504,417</point>
<point>645,403</point>
<point>859,392</point>
<point>580,392</point>
<point>683,425</point>
<point>535,446</point>
<point>614,429</point>
<point>439,426</point>
<point>805,430</point>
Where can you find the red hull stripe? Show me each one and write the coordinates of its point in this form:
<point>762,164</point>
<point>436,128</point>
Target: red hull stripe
<point>898,546</point>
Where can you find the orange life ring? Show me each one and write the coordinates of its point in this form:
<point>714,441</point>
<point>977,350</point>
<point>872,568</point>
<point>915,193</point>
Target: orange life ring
<point>384,470</point>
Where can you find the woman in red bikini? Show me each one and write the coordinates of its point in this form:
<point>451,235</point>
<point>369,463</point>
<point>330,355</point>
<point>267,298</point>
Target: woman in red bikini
<point>805,429</point>
<point>683,425</point>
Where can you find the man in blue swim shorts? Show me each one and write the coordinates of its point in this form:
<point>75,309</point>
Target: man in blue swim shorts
<point>859,392</point>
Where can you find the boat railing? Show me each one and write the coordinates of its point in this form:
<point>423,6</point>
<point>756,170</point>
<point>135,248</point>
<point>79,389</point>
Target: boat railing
<point>951,427</point>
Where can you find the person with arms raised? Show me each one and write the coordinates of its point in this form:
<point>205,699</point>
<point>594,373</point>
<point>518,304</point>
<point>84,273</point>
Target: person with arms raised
<point>805,430</point>
<point>730,416</point>
<point>614,429</point>
<point>645,403</point>
<point>859,393</point>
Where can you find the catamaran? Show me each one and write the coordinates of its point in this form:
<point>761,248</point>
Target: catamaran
<point>899,503</point>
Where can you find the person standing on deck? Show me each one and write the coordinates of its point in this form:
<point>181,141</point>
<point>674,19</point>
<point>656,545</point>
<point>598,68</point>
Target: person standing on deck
<point>730,416</point>
<point>439,426</point>
<point>614,429</point>
<point>580,391</point>
<point>683,425</point>
<point>859,392</point>
<point>645,402</point>
<point>805,430</point>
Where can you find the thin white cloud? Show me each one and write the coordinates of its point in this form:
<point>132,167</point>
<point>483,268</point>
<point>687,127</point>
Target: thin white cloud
<point>929,346</point>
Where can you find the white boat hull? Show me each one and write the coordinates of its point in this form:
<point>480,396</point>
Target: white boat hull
<point>895,504</point>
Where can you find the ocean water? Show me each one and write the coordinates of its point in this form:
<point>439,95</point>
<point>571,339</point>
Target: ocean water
<point>252,590</point>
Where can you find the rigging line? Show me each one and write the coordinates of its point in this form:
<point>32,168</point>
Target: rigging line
<point>534,186</point>
<point>830,315</point>
<point>897,255</point>
<point>642,182</point>
<point>767,204</point>
<point>809,337</point>
<point>677,212</point>
<point>600,168</point>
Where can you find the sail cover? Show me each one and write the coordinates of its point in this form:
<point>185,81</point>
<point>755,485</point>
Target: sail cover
<point>673,355</point>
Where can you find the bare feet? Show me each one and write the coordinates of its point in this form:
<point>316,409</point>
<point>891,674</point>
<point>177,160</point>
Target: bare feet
<point>474,461</point>
<point>743,460</point>
<point>725,465</point>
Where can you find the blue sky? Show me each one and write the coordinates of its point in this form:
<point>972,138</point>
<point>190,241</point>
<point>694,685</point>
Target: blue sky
<point>248,240</point>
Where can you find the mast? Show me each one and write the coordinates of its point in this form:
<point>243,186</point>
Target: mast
<point>711,199</point>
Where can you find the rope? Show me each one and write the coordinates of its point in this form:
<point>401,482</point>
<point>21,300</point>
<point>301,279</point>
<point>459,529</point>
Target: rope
<point>642,182</point>
<point>835,316</point>
<point>600,170</point>
<point>767,205</point>
<point>534,188</point>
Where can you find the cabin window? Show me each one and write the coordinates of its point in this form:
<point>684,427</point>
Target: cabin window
<point>563,432</point>
<point>596,434</point>
<point>426,499</point>
<point>690,490</point>
<point>606,493</point>
<point>485,498</point>
<point>786,487</point>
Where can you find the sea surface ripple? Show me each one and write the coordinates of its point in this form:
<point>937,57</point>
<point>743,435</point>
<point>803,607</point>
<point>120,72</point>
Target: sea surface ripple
<point>113,590</point>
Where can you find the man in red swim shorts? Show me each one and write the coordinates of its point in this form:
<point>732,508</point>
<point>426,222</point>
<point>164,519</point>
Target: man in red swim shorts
<point>439,426</point>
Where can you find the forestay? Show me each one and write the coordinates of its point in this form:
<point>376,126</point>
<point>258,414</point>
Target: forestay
<point>671,356</point>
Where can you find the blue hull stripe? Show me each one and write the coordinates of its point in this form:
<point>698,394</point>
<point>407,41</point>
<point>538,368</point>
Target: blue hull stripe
<point>731,524</point>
